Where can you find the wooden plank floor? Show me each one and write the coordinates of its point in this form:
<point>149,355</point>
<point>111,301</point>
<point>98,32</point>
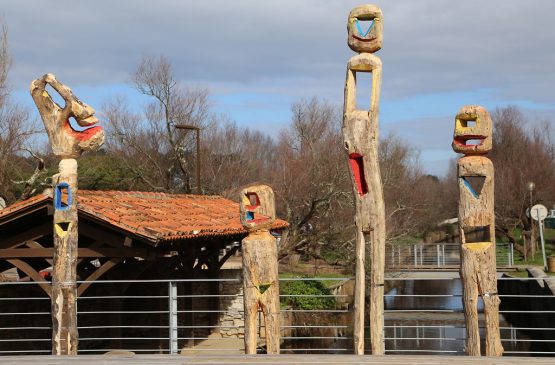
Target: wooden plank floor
<point>265,359</point>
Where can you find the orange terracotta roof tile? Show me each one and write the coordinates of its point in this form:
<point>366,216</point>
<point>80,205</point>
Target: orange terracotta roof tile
<point>157,216</point>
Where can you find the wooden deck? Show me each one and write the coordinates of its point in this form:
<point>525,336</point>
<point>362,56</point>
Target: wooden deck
<point>275,359</point>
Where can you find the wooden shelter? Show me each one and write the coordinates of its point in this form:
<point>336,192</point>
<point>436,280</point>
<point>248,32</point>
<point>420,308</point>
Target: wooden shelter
<point>124,228</point>
<point>126,236</point>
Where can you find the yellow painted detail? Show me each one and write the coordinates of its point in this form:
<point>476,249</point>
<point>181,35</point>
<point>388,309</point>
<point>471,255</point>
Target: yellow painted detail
<point>246,200</point>
<point>263,287</point>
<point>461,125</point>
<point>45,94</point>
<point>60,232</point>
<point>477,245</point>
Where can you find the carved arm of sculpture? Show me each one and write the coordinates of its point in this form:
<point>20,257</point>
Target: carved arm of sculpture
<point>66,141</point>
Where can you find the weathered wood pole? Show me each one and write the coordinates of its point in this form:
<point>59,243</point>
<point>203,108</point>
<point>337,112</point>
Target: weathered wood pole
<point>68,144</point>
<point>260,267</point>
<point>360,133</point>
<point>473,138</point>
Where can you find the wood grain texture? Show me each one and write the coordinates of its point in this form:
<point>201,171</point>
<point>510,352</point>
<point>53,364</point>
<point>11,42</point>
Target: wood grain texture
<point>360,134</point>
<point>476,210</point>
<point>260,268</point>
<point>64,273</point>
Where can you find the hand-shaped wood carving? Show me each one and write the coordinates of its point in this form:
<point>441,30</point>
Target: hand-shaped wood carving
<point>66,141</point>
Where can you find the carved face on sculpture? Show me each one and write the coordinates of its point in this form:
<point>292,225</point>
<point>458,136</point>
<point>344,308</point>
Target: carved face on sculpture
<point>66,141</point>
<point>258,209</point>
<point>365,29</point>
<point>473,131</point>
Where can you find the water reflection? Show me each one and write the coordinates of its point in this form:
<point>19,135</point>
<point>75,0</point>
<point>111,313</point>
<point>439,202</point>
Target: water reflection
<point>426,316</point>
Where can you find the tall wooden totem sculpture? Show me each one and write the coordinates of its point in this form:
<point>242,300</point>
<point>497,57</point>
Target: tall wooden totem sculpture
<point>473,138</point>
<point>260,267</point>
<point>360,133</point>
<point>68,144</point>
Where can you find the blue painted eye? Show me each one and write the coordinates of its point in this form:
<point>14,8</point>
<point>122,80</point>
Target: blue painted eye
<point>359,29</point>
<point>250,216</point>
<point>62,196</point>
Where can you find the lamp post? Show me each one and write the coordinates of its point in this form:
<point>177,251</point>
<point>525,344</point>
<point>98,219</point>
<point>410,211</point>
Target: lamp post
<point>197,129</point>
<point>531,186</point>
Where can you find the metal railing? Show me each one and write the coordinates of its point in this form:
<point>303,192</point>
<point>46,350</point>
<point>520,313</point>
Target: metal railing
<point>439,256</point>
<point>422,315</point>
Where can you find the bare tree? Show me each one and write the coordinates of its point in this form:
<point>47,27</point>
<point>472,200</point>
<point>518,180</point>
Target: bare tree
<point>159,154</point>
<point>15,131</point>
<point>520,155</point>
<point>233,156</point>
<point>5,61</point>
<point>310,176</point>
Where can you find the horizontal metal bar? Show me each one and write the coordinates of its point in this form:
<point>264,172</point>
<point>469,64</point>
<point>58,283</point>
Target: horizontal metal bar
<point>24,328</point>
<point>530,352</point>
<point>315,338</point>
<point>316,310</point>
<point>425,338</point>
<point>156,350</point>
<point>25,351</point>
<point>423,295</point>
<point>423,326</point>
<point>312,295</point>
<point>422,310</point>
<point>313,326</point>
<point>120,338</point>
<point>107,327</point>
<point>524,340</point>
<point>529,328</point>
<point>126,297</point>
<point>315,279</point>
<point>121,312</point>
<point>24,339</point>
<point>311,349</point>
<point>530,311</point>
<point>24,313</point>
<point>434,351</point>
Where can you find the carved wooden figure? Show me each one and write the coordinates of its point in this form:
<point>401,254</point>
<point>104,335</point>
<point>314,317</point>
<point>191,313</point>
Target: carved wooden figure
<point>360,133</point>
<point>260,267</point>
<point>68,144</point>
<point>473,134</point>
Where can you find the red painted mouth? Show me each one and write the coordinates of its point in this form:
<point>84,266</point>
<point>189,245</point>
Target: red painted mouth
<point>364,39</point>
<point>84,135</point>
<point>462,141</point>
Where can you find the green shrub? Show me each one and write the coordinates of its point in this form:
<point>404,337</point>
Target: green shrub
<point>314,288</point>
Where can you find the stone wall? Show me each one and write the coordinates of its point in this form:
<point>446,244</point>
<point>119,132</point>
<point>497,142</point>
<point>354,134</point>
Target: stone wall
<point>231,321</point>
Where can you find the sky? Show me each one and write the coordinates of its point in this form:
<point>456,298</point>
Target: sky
<point>258,57</point>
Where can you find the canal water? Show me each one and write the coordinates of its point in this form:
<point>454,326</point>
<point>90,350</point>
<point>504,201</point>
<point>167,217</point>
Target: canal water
<point>426,317</point>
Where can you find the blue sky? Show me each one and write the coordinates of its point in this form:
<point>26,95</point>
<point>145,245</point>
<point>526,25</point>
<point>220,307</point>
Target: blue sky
<point>258,57</point>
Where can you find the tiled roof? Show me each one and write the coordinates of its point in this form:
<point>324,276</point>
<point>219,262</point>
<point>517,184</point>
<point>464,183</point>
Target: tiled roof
<point>156,216</point>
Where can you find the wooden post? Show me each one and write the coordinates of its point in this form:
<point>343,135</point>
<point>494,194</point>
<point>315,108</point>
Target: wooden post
<point>68,144</point>
<point>360,133</point>
<point>472,137</point>
<point>260,267</point>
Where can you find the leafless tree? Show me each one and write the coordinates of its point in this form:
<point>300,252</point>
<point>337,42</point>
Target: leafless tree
<point>15,131</point>
<point>521,153</point>
<point>233,156</point>
<point>311,177</point>
<point>159,154</point>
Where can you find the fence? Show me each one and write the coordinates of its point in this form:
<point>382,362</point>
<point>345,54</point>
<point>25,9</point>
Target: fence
<point>422,315</point>
<point>439,255</point>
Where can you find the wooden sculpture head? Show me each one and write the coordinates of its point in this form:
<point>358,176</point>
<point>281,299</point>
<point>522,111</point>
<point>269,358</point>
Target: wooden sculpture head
<point>473,131</point>
<point>66,142</point>
<point>365,29</point>
<point>258,210</point>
